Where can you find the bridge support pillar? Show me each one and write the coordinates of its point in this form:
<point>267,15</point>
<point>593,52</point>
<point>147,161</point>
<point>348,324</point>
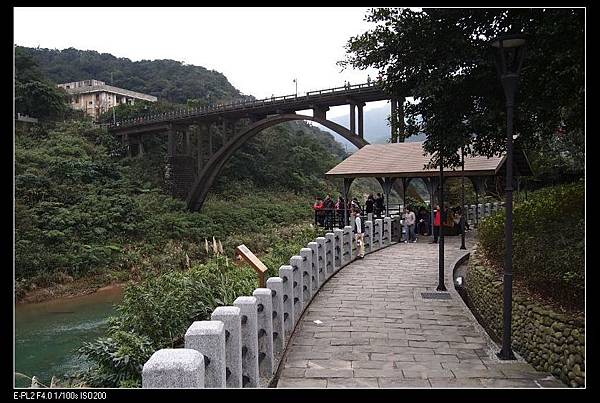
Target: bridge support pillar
<point>179,174</point>
<point>187,143</point>
<point>360,120</point>
<point>353,118</point>
<point>171,141</point>
<point>320,112</point>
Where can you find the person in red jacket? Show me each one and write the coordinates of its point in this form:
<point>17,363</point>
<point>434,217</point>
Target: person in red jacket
<point>319,212</point>
<point>437,220</point>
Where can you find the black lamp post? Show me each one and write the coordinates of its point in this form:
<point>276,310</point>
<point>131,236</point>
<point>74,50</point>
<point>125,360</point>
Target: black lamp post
<point>441,286</point>
<point>509,59</point>
<point>462,207</point>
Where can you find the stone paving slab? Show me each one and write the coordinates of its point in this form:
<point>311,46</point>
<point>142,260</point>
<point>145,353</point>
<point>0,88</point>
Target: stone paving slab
<point>378,331</point>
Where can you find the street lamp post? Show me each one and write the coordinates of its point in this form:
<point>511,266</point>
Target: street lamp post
<point>462,207</point>
<point>296,82</point>
<point>509,59</point>
<point>441,286</point>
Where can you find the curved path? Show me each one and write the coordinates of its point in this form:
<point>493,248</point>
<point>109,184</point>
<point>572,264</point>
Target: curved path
<point>370,327</point>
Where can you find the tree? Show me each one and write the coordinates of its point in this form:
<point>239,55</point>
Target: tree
<point>443,58</point>
<point>34,95</point>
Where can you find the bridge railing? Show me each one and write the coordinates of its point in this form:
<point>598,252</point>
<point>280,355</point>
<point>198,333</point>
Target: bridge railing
<point>243,344</point>
<point>238,104</point>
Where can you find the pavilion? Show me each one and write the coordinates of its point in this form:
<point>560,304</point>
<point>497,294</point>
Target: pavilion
<point>407,161</point>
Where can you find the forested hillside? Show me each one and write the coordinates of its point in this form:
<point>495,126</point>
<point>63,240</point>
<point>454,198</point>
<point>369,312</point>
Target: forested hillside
<point>169,80</point>
<point>84,210</point>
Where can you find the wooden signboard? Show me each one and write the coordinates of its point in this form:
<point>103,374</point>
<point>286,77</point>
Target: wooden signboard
<point>259,266</point>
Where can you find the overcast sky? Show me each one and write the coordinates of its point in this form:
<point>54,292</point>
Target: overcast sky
<point>260,50</point>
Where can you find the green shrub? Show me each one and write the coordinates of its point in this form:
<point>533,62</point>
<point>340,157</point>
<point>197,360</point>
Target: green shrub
<point>156,313</point>
<point>548,242</point>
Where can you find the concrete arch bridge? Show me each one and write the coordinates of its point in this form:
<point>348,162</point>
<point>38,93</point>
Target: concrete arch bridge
<point>202,140</point>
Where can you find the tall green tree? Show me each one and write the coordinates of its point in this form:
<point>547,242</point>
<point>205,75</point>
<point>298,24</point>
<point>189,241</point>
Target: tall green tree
<point>34,94</point>
<point>443,58</point>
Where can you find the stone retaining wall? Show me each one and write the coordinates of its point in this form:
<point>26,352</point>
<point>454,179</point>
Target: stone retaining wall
<point>242,345</point>
<point>548,340</point>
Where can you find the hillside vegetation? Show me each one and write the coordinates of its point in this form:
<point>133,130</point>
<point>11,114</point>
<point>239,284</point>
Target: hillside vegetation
<point>169,80</point>
<point>549,243</point>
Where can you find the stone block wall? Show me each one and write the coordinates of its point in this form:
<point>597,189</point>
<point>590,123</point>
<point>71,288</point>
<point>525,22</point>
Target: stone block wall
<point>548,340</point>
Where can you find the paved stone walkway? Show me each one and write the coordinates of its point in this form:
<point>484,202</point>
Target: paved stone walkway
<point>377,331</point>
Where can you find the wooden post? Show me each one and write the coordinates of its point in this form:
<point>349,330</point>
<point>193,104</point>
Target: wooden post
<point>255,262</point>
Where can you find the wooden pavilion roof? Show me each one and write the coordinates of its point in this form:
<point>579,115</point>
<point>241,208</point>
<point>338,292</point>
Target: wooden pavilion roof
<point>408,160</point>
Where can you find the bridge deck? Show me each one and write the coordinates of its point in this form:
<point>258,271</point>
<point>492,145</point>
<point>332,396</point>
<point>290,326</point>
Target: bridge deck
<point>245,108</point>
<point>378,332</point>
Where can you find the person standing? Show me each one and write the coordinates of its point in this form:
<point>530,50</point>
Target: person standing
<point>379,205</point>
<point>318,207</point>
<point>328,207</point>
<point>339,210</point>
<point>369,205</point>
<point>422,222</point>
<point>359,233</point>
<point>410,226</point>
<point>437,221</point>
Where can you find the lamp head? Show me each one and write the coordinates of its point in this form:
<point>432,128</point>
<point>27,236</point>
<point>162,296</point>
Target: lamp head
<point>510,53</point>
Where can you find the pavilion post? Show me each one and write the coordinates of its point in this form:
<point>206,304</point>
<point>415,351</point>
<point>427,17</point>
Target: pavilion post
<point>387,188</point>
<point>346,191</point>
<point>404,184</point>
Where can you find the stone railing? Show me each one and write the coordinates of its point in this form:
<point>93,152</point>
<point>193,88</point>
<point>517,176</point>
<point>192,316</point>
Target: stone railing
<point>242,345</point>
<point>481,211</point>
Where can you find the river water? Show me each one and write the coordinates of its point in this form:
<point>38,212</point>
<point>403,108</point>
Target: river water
<point>48,334</point>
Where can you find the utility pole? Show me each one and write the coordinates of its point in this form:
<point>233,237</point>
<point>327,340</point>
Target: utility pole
<point>296,82</point>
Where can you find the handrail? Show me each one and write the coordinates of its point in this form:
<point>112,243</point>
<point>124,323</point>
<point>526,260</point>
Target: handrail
<point>244,104</point>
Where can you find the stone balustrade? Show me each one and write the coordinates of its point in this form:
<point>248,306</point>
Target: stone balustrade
<point>242,345</point>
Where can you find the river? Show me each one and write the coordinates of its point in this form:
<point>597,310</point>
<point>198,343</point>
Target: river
<point>48,334</point>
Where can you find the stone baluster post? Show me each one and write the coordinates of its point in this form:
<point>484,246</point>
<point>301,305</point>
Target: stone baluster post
<point>264,310</point>
<point>322,258</point>
<point>347,245</point>
<point>306,271</point>
<point>208,338</point>
<point>275,284</point>
<point>368,236</point>
<point>314,247</point>
<point>379,233</point>
<point>287,276</point>
<point>248,311</point>
<point>338,249</point>
<point>297,264</point>
<point>329,253</point>
<point>174,368</point>
<point>387,224</point>
<point>231,318</point>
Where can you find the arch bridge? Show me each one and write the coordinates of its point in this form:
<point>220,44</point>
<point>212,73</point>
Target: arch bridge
<point>202,140</point>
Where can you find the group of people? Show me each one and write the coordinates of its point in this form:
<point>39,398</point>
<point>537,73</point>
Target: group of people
<point>330,213</point>
<point>450,221</point>
<point>418,224</point>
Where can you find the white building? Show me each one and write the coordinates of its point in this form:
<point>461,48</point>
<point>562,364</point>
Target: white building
<point>95,97</point>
